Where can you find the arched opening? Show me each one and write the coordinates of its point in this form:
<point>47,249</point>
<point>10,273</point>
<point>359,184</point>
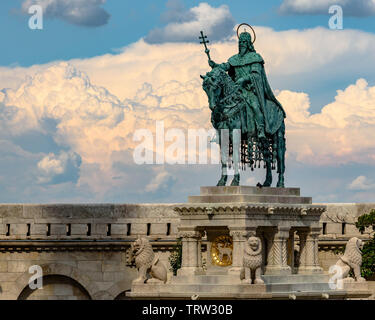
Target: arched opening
<point>122,295</point>
<point>56,287</point>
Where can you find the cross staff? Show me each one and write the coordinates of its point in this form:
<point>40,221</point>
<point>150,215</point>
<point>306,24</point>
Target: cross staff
<point>204,42</point>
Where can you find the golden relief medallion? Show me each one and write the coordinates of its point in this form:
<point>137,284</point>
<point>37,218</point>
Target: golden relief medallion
<point>221,251</point>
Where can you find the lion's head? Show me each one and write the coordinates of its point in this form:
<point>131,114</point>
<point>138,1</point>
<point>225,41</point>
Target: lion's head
<point>253,253</point>
<point>353,252</point>
<point>142,252</point>
<point>138,244</point>
<point>254,246</point>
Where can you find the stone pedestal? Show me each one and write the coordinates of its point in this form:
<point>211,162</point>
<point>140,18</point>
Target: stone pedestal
<point>359,289</point>
<point>273,214</point>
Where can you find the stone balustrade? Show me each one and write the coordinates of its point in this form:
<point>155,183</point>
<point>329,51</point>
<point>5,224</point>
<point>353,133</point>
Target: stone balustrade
<point>51,221</point>
<point>21,222</point>
<point>85,245</point>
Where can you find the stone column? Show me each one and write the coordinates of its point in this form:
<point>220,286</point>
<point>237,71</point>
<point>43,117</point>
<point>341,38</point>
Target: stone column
<point>290,246</point>
<point>239,239</point>
<point>309,261</point>
<point>302,235</point>
<point>200,269</point>
<point>269,236</point>
<point>199,249</point>
<point>191,261</point>
<point>279,262</point>
<point>314,236</point>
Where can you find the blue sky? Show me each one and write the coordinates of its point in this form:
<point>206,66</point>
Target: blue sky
<point>129,21</point>
<point>132,20</point>
<point>52,114</point>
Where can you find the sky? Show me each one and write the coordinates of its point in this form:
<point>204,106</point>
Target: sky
<point>73,94</point>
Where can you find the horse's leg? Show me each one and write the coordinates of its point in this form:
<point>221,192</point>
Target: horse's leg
<point>267,160</point>
<point>268,181</point>
<point>224,174</point>
<point>224,152</point>
<point>236,142</point>
<point>281,155</point>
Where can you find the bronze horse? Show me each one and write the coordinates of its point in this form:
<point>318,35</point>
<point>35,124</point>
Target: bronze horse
<point>227,104</point>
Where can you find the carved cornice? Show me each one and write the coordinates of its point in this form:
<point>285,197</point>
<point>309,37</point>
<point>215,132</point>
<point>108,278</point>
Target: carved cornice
<point>238,235</point>
<point>270,209</point>
<point>302,233</point>
<point>282,234</point>
<point>187,234</point>
<point>86,246</point>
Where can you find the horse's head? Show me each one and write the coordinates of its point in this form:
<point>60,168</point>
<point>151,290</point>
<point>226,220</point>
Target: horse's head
<point>213,85</point>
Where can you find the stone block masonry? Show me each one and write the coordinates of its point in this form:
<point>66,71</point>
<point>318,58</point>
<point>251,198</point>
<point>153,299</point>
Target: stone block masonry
<point>83,248</point>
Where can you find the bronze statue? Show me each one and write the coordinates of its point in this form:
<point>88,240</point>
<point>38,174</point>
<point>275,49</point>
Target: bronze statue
<point>242,102</point>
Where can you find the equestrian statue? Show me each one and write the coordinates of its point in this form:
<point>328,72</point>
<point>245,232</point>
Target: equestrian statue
<point>248,118</point>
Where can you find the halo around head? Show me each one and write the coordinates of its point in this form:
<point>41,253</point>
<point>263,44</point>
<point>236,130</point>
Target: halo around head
<point>245,24</point>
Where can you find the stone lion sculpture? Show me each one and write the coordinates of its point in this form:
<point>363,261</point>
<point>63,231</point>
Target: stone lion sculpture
<point>352,259</point>
<point>147,263</point>
<point>252,261</point>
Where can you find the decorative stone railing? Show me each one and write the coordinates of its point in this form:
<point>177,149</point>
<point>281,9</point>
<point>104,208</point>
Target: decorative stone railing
<point>126,221</point>
<point>87,221</point>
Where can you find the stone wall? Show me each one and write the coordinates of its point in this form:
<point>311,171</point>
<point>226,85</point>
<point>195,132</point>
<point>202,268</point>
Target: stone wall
<point>338,225</point>
<point>83,248</point>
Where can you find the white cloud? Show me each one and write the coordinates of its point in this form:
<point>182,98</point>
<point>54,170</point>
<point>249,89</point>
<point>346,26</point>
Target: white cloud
<point>342,132</point>
<point>98,103</point>
<point>96,125</point>
<point>64,93</point>
<point>361,183</point>
<point>59,168</point>
<point>162,182</point>
<point>185,25</point>
<point>50,164</point>
<point>92,122</point>
<point>79,12</point>
<point>82,113</point>
<point>315,55</point>
<point>350,7</point>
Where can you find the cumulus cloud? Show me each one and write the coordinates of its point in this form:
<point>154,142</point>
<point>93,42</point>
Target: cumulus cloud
<point>61,103</point>
<point>316,55</point>
<point>342,132</point>
<point>361,183</point>
<point>60,168</point>
<point>86,13</point>
<point>61,92</point>
<point>92,108</point>
<point>351,7</point>
<point>162,182</point>
<point>99,128</point>
<point>93,124</point>
<point>184,25</point>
